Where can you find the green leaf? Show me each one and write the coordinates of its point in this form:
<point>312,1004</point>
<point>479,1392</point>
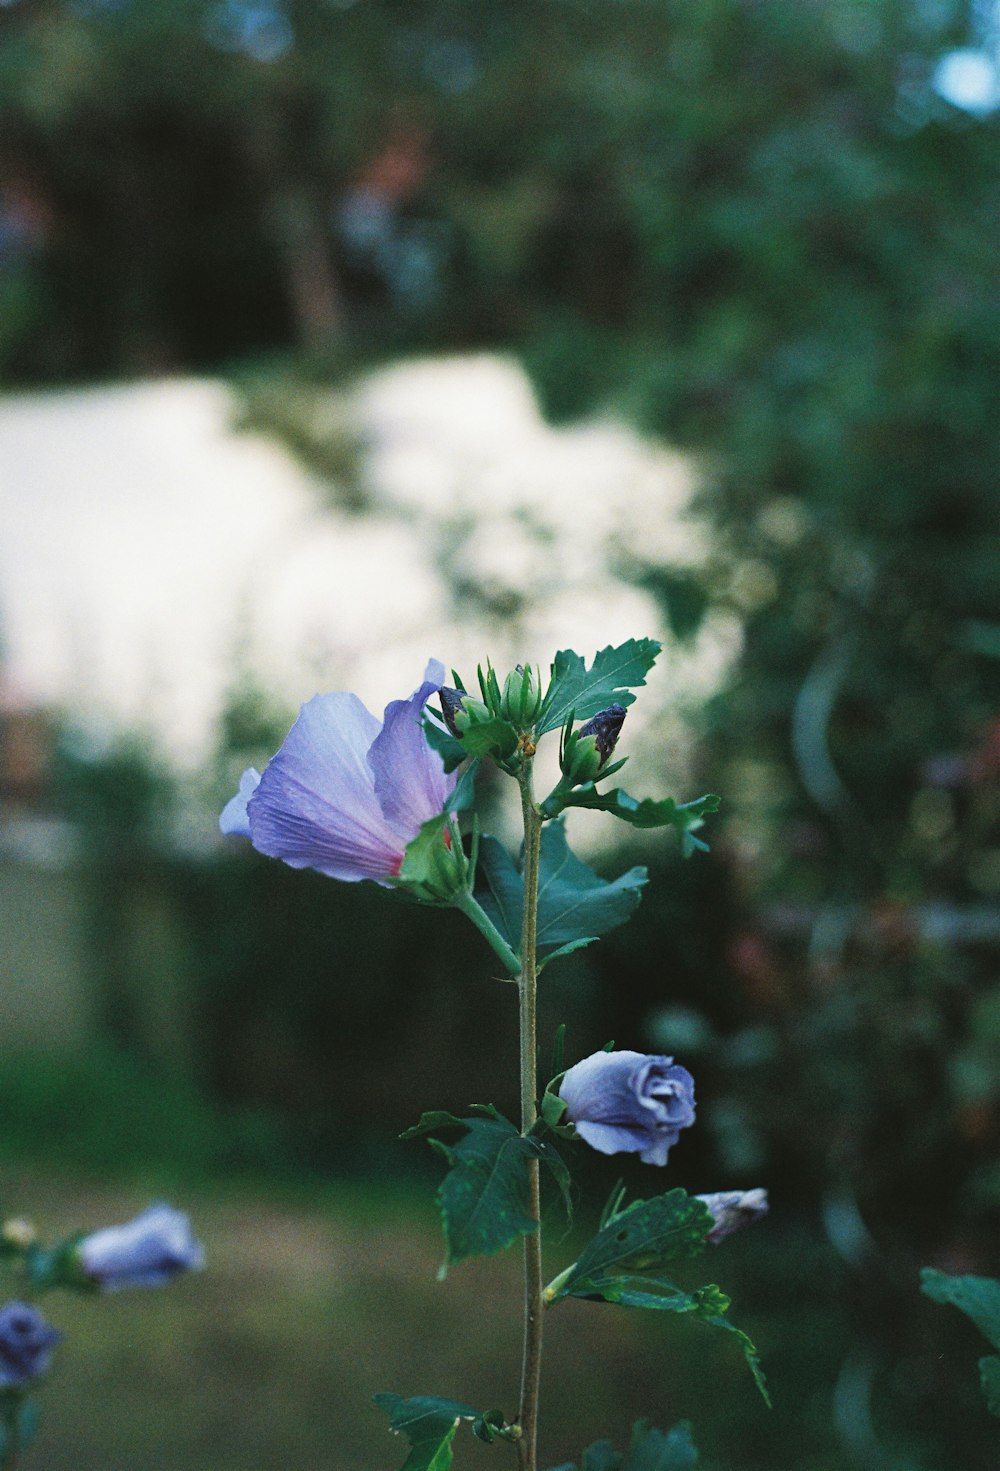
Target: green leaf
<point>500,890</point>
<point>989,1378</point>
<point>977,1297</point>
<point>686,817</point>
<point>575,906</point>
<point>574,687</point>
<point>464,794</point>
<point>484,1199</point>
<point>643,1236</point>
<point>429,1424</point>
<point>451,751</point>
<point>431,1121</point>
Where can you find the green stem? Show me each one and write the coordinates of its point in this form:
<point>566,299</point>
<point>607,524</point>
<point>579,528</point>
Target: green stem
<point>464,901</point>
<point>531,1365</point>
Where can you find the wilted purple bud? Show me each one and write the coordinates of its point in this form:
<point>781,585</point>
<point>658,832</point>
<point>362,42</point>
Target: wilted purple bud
<point>732,1210</point>
<point>145,1252</point>
<point>629,1102</point>
<point>26,1344</point>
<point>451,703</point>
<point>605,727</point>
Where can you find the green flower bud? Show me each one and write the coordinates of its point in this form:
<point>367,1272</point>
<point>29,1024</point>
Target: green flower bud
<point>581,760</point>
<point>522,697</point>
<point>461,710</point>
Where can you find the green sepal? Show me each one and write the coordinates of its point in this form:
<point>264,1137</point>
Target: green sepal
<point>575,906</point>
<point>637,1239</point>
<point>574,687</point>
<point>429,1424</point>
<point>485,1198</point>
<point>58,1266</point>
<point>686,817</point>
<point>649,1450</point>
<point>432,869</point>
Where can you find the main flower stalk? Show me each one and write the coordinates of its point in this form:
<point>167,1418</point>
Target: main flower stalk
<point>531,1364</point>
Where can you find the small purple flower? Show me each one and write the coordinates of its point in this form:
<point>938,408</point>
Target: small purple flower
<point>26,1344</point>
<point>145,1252</point>
<point>629,1102</point>
<point>346,792</point>
<point>732,1210</point>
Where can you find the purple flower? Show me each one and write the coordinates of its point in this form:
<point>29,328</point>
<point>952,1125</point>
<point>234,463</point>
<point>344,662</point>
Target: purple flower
<point>629,1102</point>
<point>145,1252</point>
<point>347,792</point>
<point>732,1210</point>
<point>26,1344</point>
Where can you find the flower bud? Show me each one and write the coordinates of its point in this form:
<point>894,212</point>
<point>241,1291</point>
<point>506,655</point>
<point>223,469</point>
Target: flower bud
<point>629,1102</point>
<point>145,1252</point>
<point>461,710</point>
<point>731,1210</point>
<point>521,698</point>
<point>605,727</point>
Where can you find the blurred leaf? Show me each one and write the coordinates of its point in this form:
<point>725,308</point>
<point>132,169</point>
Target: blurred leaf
<point>977,1297</point>
<point>989,1378</point>
<point>649,1450</point>
<point>574,687</point>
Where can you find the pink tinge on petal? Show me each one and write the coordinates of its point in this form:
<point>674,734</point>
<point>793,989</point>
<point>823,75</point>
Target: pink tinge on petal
<point>409,776</point>
<point>316,806</point>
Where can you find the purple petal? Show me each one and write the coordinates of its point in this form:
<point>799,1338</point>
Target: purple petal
<point>613,1138</point>
<point>409,776</point>
<point>315,806</point>
<point>233,819</point>
<point>600,1089</point>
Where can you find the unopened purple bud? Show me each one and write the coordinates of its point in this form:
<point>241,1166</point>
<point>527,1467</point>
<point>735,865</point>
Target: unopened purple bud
<point>26,1344</point>
<point>629,1102</point>
<point>451,703</point>
<point>145,1252</point>
<point>732,1210</point>
<point>605,727</point>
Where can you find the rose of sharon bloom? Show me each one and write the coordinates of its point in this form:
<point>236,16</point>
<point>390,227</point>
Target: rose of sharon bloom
<point>145,1252</point>
<point>26,1344</point>
<point>629,1102</point>
<point>346,792</point>
<point>732,1210</point>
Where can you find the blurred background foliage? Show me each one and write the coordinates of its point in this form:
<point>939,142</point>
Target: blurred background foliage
<point>758,231</point>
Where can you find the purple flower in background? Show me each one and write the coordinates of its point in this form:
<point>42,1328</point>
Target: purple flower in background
<point>145,1252</point>
<point>732,1210</point>
<point>346,792</point>
<point>629,1102</point>
<point>26,1344</point>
